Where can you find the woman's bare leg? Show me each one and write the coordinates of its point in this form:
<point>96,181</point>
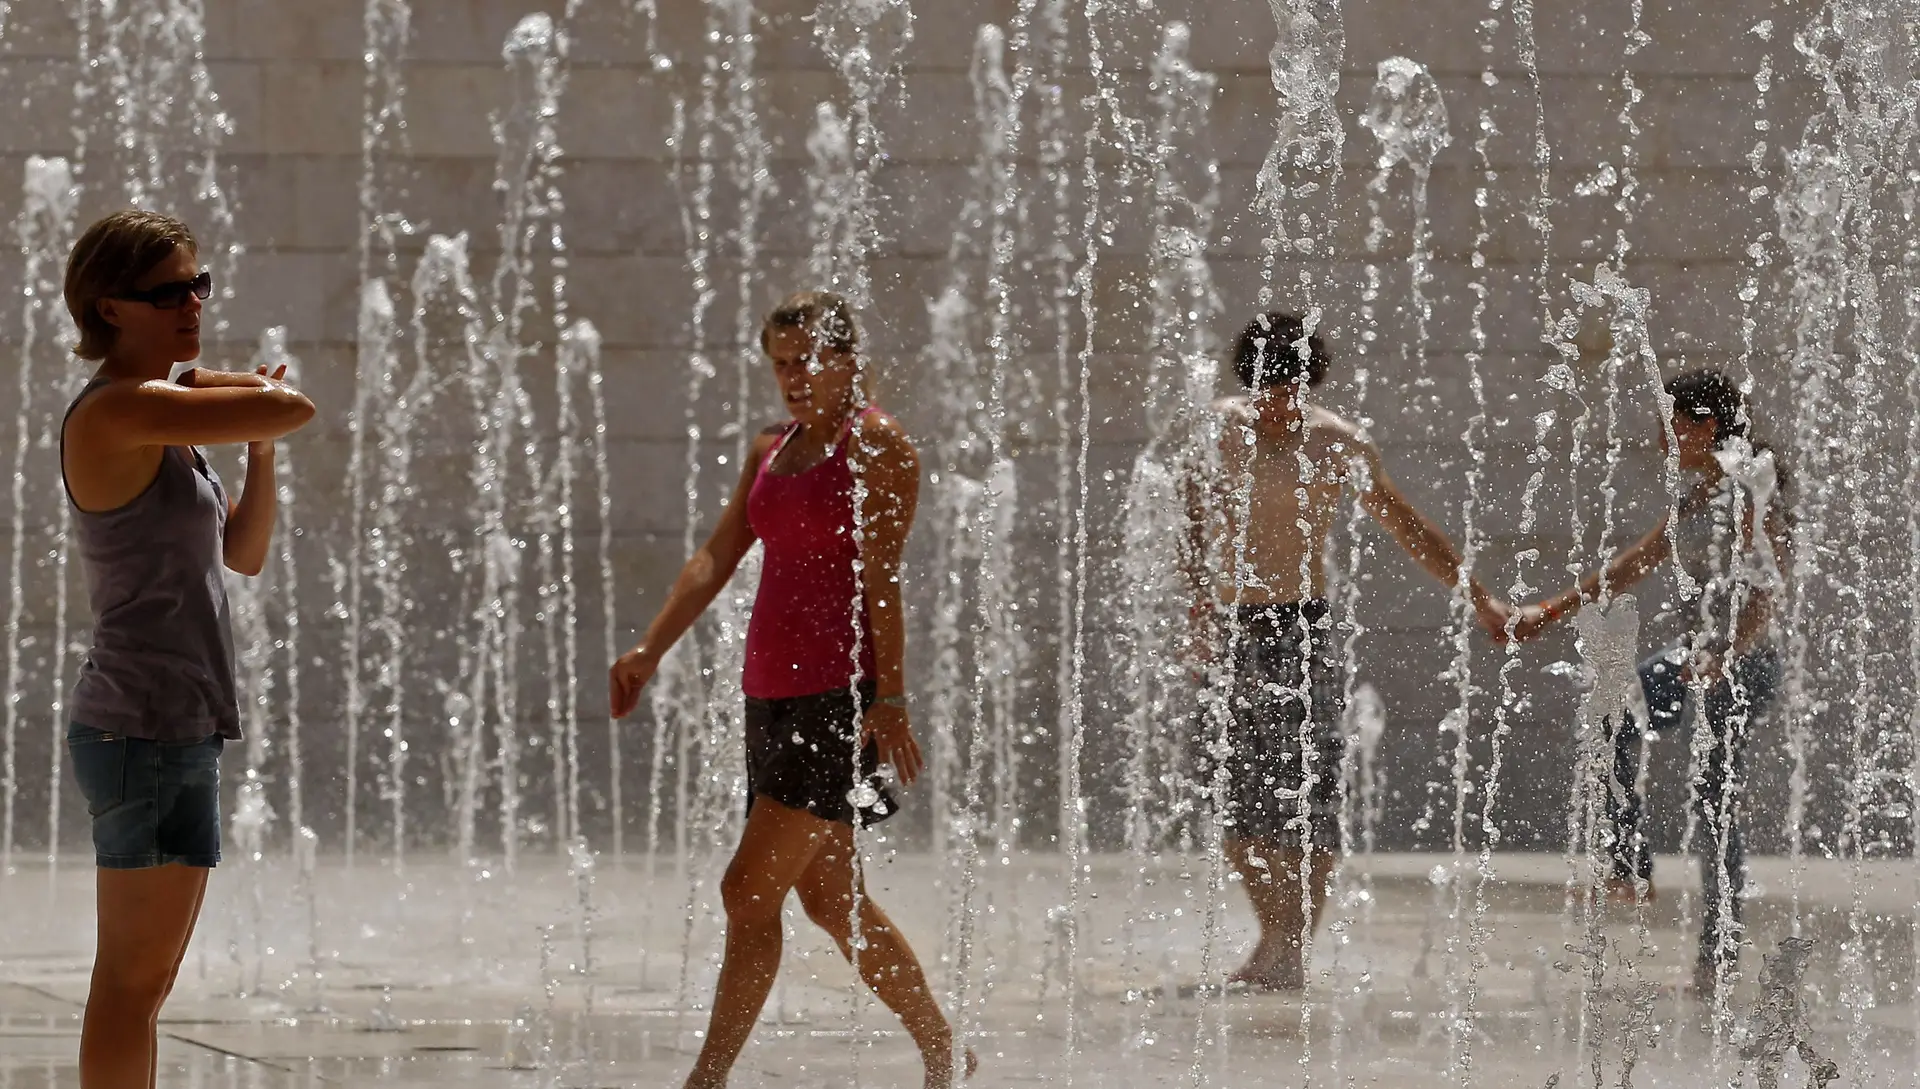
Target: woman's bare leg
<point>887,963</point>
<point>173,974</point>
<point>145,919</point>
<point>775,849</point>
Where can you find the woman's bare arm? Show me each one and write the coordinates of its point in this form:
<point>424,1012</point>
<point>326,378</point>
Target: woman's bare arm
<point>127,415</point>
<point>700,581</point>
<point>1628,566</point>
<point>706,572</point>
<point>250,521</point>
<point>890,470</point>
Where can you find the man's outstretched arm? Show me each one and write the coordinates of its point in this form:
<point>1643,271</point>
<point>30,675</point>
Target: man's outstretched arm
<point>1423,540</point>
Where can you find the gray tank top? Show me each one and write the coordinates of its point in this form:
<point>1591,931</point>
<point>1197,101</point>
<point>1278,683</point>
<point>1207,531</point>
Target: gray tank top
<point>161,664</point>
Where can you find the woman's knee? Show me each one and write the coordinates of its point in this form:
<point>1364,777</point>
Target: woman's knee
<point>827,909</point>
<point>749,897</point>
<point>138,985</point>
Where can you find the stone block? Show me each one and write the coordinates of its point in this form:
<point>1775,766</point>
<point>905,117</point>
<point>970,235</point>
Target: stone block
<point>602,289</point>
<point>449,196</point>
<point>1447,37</point>
<point>610,113</point>
<point>41,31</point>
<point>622,206</point>
<point>303,202</point>
<point>646,393</point>
<point>313,294</point>
<point>307,106</point>
<point>448,109</point>
<point>252,30</point>
<point>42,91</point>
<point>475,31</point>
<point>943,34</point>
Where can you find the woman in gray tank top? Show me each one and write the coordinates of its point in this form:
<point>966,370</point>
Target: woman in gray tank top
<point>1727,536</point>
<point>155,699</point>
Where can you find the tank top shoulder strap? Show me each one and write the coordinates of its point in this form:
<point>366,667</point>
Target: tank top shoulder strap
<point>85,392</point>
<point>846,429</point>
<point>780,443</point>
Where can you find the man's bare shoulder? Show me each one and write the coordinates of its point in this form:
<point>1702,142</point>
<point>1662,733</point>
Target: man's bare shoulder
<point>1233,407</point>
<point>1336,432</point>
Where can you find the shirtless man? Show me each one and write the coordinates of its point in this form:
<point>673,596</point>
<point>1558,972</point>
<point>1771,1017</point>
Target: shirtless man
<point>1259,540</point>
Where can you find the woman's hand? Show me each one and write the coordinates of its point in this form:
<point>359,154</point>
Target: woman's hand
<point>263,450</point>
<point>1199,646</point>
<point>886,725</point>
<point>1494,615</point>
<point>630,673</point>
<point>208,378</point>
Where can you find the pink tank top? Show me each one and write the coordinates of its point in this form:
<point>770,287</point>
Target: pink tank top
<point>800,637</point>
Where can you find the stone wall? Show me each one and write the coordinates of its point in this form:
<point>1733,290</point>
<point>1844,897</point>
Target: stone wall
<point>292,81</point>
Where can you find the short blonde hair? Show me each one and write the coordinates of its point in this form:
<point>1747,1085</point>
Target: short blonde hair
<point>107,261</point>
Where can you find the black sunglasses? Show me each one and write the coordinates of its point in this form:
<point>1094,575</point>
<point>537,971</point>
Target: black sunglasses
<point>174,295</point>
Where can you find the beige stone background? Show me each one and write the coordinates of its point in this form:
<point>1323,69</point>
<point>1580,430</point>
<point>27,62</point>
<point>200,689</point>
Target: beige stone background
<point>291,80</point>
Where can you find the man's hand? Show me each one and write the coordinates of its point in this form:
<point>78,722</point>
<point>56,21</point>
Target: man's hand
<point>1494,615</point>
<point>1704,668</point>
<point>630,673</point>
<point>886,725</point>
<point>1199,646</point>
<point>1529,622</point>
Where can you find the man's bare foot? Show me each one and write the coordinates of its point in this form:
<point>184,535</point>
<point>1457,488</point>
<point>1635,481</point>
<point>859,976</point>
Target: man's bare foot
<point>1277,972</point>
<point>1625,891</point>
<point>1255,968</point>
<point>1702,983</point>
<point>940,1074</point>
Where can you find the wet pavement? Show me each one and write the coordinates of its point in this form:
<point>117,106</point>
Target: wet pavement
<point>430,972</point>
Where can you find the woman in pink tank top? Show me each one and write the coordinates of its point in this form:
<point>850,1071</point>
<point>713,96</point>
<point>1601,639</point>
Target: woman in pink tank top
<point>830,495</point>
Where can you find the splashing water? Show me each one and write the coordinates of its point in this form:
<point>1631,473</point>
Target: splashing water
<point>464,730</point>
<point>1407,115</point>
<point>45,231</point>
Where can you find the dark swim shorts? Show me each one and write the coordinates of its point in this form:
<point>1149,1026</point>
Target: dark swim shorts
<point>800,754</point>
<point>152,802</point>
<point>1277,689</point>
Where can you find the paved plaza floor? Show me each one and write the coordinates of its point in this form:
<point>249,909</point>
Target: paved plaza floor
<point>431,973</point>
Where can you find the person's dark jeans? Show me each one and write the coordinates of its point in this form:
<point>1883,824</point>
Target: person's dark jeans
<point>1729,711</point>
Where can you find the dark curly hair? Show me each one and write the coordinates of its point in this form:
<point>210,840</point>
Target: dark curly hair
<point>1268,353</point>
<point>1708,394</point>
<point>1705,394</point>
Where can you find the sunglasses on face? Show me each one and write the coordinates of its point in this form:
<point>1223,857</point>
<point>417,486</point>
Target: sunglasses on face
<point>172,296</point>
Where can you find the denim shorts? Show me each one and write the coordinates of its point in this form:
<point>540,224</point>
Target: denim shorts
<point>152,802</point>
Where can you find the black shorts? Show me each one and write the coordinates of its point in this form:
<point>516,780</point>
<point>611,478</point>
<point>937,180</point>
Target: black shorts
<point>1279,689</point>
<point>800,754</point>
